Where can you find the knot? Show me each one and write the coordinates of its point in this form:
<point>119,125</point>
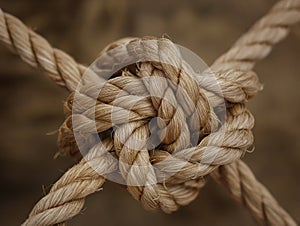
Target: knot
<point>170,125</point>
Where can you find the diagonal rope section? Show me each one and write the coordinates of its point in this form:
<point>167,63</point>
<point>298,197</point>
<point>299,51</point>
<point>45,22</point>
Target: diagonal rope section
<point>66,197</point>
<point>193,141</point>
<point>38,53</point>
<point>245,189</point>
<point>257,43</point>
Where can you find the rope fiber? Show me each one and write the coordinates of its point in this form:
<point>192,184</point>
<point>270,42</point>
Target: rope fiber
<point>147,183</point>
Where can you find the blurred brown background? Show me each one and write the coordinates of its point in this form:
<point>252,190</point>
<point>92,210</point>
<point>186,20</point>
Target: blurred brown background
<point>31,105</point>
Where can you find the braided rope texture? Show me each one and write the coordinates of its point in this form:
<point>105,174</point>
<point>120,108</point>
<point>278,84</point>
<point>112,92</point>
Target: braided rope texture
<point>66,197</point>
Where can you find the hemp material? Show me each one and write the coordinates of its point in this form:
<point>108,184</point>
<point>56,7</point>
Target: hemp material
<point>66,198</point>
<point>174,156</point>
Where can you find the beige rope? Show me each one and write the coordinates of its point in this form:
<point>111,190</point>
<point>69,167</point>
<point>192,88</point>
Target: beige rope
<point>230,142</point>
<point>66,197</point>
<point>37,52</point>
<point>65,71</point>
<point>257,43</point>
<point>244,188</point>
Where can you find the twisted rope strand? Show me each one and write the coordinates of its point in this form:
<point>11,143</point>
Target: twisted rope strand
<point>66,72</point>
<point>38,53</point>
<point>242,185</point>
<point>66,197</point>
<point>253,46</point>
<point>257,43</point>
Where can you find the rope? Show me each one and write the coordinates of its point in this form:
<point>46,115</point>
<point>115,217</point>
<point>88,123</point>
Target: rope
<point>66,72</point>
<point>257,43</point>
<point>174,157</point>
<point>245,189</point>
<point>66,197</point>
<point>38,53</point>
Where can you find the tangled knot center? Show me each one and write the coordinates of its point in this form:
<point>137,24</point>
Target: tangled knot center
<point>165,123</point>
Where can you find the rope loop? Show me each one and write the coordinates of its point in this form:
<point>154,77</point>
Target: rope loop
<point>166,132</point>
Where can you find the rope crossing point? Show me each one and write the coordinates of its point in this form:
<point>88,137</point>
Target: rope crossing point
<point>237,82</point>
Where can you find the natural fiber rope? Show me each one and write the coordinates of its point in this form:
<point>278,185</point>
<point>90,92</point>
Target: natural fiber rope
<point>257,43</point>
<point>68,193</point>
<point>245,189</point>
<point>65,70</point>
<point>37,52</point>
<point>181,188</point>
